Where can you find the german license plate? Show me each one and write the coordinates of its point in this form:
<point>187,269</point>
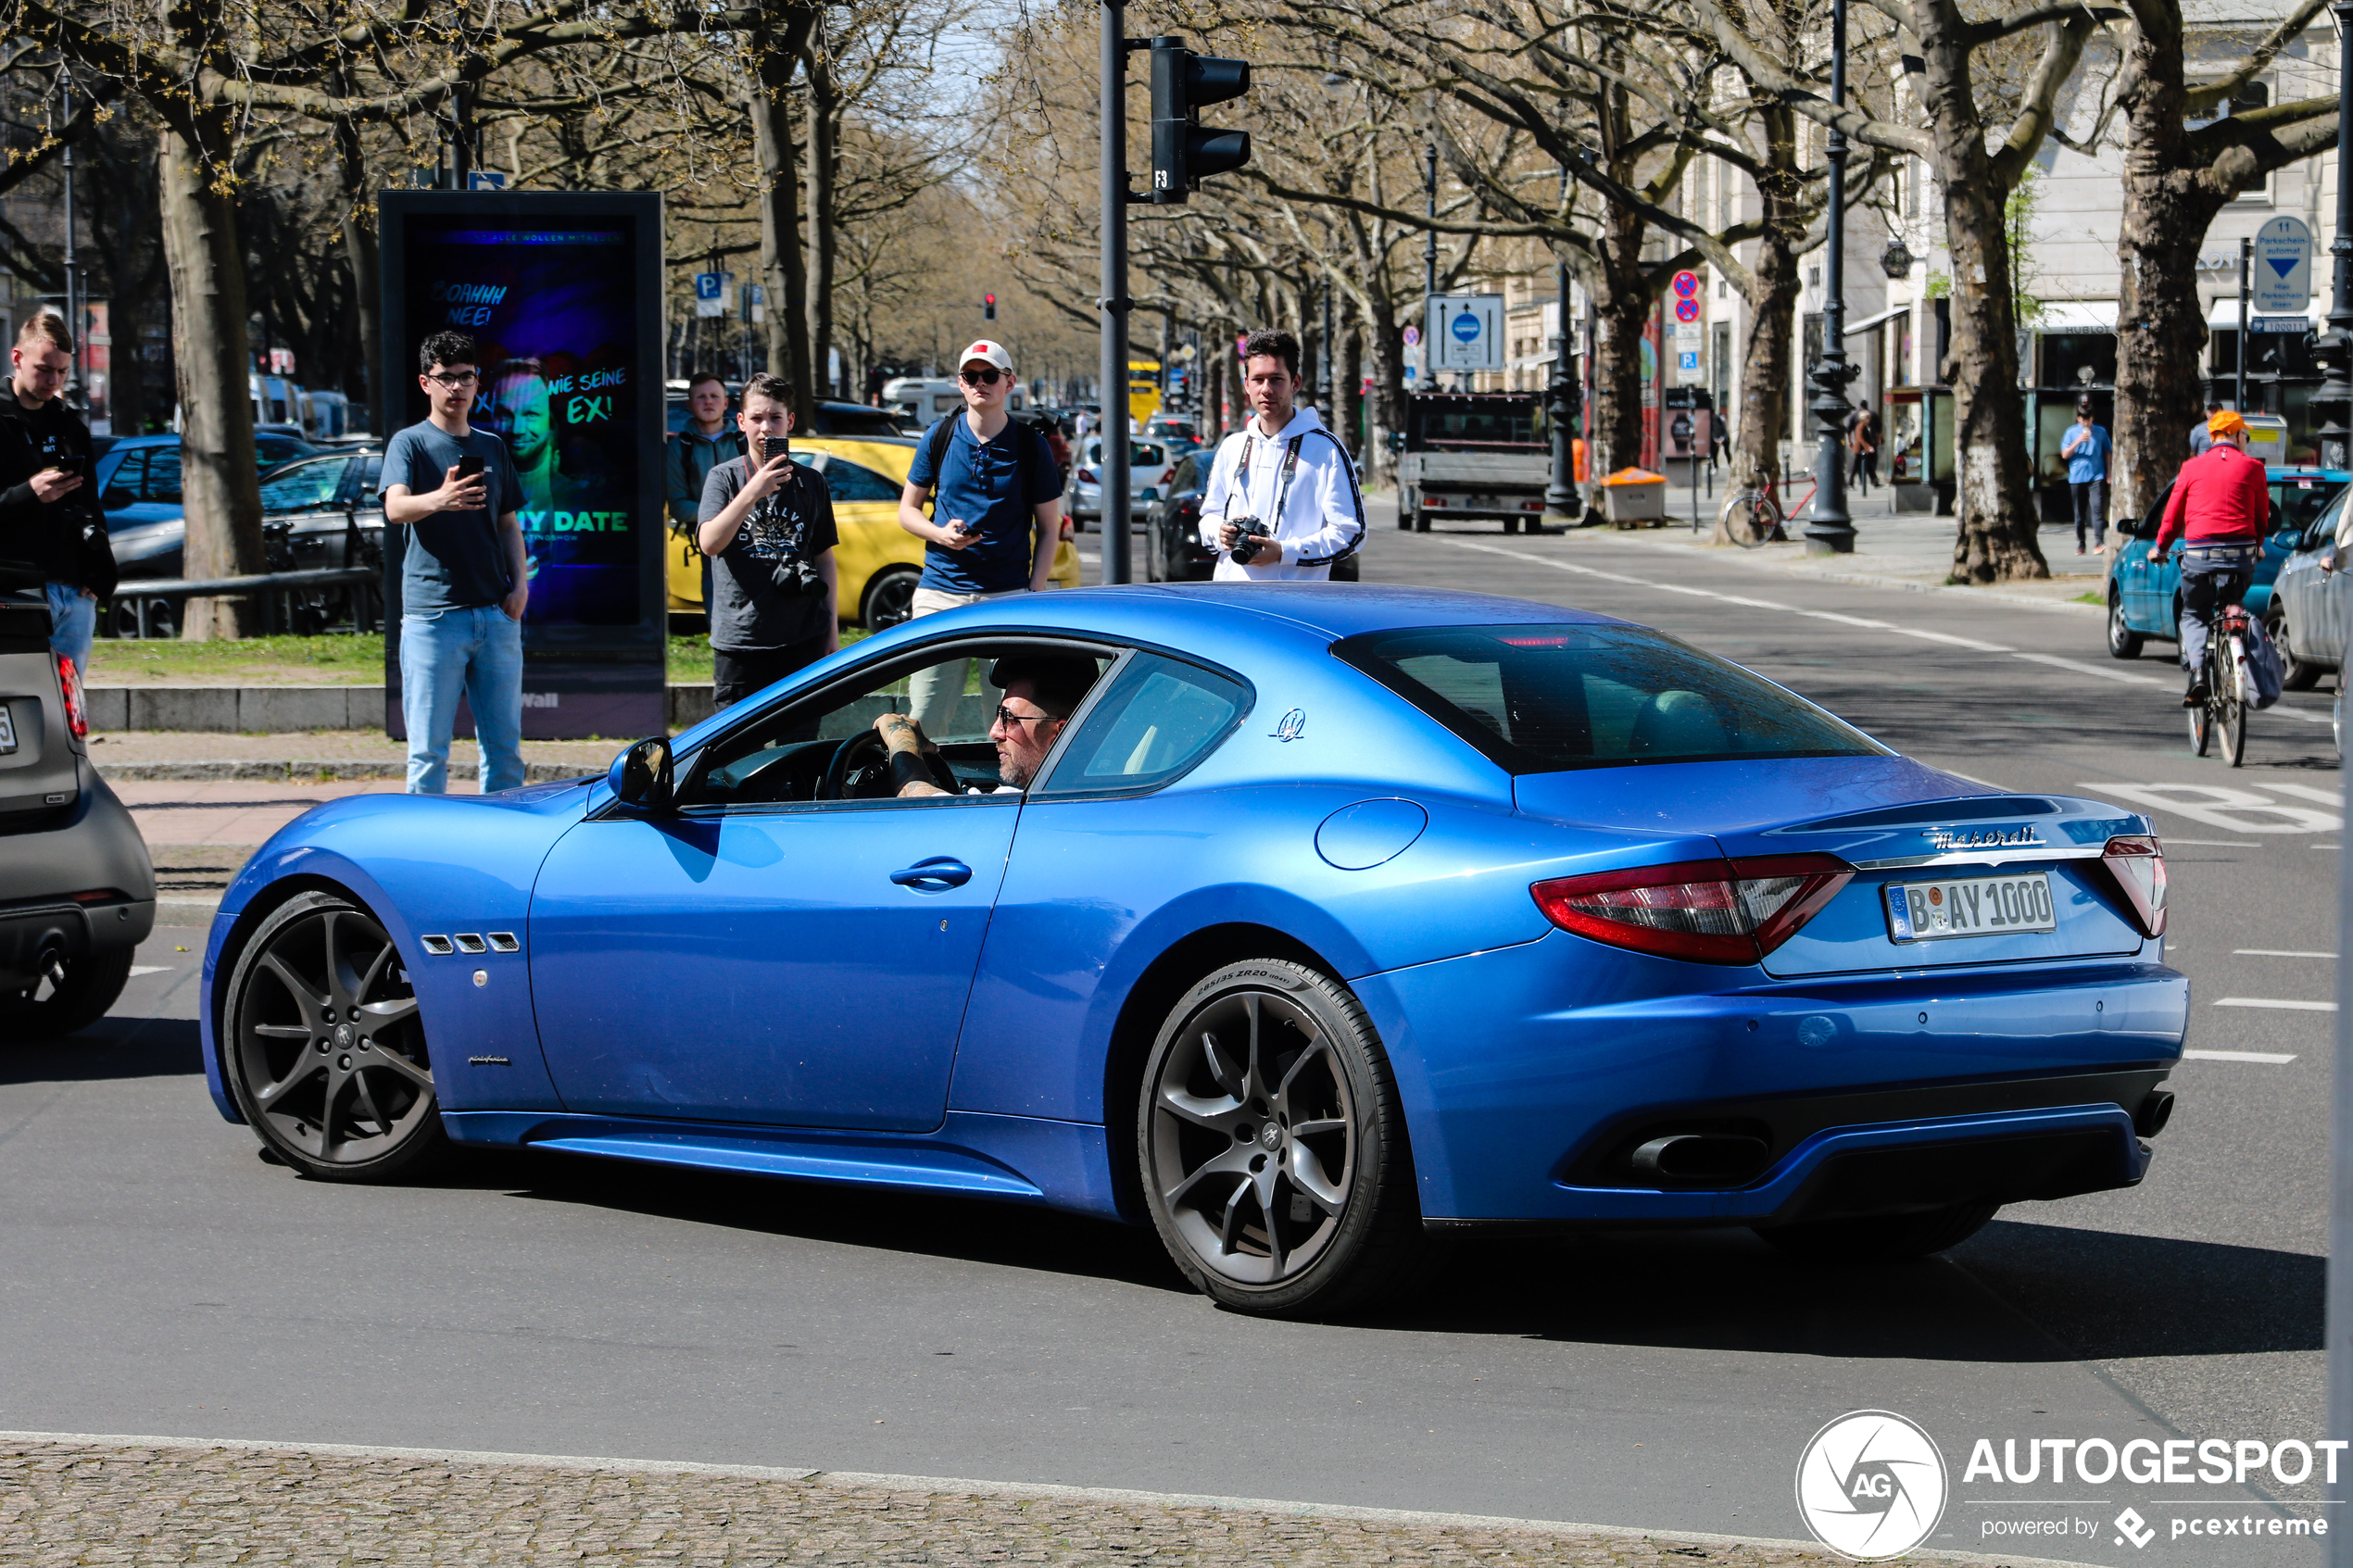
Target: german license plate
<point>7,731</point>
<point>1978,906</point>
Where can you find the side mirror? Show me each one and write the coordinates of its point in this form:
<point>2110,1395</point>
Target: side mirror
<point>640,776</point>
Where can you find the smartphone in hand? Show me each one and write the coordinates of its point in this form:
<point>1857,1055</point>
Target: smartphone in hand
<point>468,467</point>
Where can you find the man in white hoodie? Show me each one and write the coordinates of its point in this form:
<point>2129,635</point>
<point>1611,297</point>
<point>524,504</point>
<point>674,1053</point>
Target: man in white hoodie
<point>1284,469</point>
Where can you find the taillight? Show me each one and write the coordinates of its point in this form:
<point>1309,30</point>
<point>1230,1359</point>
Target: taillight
<point>2138,865</point>
<point>1710,911</point>
<point>77,711</point>
<point>1086,476</point>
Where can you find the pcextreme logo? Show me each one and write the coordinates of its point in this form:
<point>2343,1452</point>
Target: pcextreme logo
<point>1871,1485</point>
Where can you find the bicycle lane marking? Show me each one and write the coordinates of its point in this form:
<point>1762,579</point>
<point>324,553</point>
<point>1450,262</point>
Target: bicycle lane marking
<point>2074,665</point>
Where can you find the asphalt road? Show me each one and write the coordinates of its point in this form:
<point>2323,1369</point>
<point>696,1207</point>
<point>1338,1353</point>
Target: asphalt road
<point>161,1279</point>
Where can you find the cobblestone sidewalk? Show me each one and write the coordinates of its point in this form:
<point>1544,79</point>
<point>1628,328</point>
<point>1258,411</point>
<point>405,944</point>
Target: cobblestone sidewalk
<point>74,1503</point>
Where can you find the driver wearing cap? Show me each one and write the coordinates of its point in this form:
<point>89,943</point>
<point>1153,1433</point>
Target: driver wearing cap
<point>1040,693</point>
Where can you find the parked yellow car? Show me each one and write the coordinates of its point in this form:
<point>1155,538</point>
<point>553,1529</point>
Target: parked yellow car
<point>877,562</point>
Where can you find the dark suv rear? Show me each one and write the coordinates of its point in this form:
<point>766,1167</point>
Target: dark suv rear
<point>77,891</point>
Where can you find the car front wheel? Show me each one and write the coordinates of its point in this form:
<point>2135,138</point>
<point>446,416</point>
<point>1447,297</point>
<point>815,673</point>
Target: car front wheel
<point>2122,641</point>
<point>323,1049</point>
<point>1273,1146</point>
<point>891,598</point>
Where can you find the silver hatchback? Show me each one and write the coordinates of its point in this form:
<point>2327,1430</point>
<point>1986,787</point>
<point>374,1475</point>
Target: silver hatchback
<point>2308,616</point>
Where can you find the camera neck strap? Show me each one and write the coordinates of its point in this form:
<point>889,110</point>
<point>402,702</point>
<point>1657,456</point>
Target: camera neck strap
<point>1282,485</point>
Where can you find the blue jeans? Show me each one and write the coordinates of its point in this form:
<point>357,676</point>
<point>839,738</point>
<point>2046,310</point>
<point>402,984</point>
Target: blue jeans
<point>478,652</point>
<point>73,622</point>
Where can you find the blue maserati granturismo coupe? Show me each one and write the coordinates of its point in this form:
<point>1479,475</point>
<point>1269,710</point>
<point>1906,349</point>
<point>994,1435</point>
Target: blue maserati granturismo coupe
<point>1306,923</point>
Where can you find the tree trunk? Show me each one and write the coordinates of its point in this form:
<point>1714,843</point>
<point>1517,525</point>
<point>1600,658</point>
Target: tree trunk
<point>2160,328</point>
<point>824,137</point>
<point>219,486</point>
<point>784,274</point>
<point>1389,387</point>
<point>1765,380</point>
<point>1620,314</point>
<point>1213,406</point>
<point>359,248</point>
<point>1352,393</point>
<point>1997,540</point>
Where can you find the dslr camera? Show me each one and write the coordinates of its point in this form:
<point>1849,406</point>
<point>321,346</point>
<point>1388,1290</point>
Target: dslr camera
<point>795,575</point>
<point>1251,531</point>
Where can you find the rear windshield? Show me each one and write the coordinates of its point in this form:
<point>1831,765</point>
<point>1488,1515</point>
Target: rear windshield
<point>1541,699</point>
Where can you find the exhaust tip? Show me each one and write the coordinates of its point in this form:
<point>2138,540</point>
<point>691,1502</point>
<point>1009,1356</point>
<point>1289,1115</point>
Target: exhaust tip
<point>2157,1110</point>
<point>1702,1157</point>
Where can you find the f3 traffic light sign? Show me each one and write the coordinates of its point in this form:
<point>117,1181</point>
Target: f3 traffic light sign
<point>1184,151</point>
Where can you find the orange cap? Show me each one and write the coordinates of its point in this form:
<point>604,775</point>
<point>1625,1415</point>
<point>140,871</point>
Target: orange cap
<point>2227,423</point>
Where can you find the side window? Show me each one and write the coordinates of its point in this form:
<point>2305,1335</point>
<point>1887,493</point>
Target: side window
<point>1158,719</point>
<point>305,487</point>
<point>852,482</point>
<point>795,752</point>
<point>371,468</point>
<point>1180,478</point>
<point>163,475</point>
<point>122,488</point>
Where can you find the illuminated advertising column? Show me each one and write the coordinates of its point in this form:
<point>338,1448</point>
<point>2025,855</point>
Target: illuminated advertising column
<point>562,293</point>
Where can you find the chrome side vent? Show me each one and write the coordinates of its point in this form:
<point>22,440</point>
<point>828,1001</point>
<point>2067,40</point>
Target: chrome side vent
<point>504,942</point>
<point>435,945</point>
<point>468,941</point>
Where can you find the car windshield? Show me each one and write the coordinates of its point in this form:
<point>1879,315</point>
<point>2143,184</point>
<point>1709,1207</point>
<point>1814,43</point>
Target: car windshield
<point>1541,700</point>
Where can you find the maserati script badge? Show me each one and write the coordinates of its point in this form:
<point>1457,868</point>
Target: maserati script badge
<point>1982,838</point>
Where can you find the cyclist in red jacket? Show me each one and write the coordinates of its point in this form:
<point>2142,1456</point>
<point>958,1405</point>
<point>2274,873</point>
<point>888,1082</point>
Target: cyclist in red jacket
<point>2221,506</point>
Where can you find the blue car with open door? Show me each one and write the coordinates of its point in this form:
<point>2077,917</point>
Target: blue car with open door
<point>1317,922</point>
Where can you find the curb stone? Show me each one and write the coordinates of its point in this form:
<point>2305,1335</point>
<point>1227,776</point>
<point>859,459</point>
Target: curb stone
<point>301,771</point>
<point>149,1448</point>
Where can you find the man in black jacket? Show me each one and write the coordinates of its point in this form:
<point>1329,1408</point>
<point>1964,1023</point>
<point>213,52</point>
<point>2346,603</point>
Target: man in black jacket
<point>45,511</point>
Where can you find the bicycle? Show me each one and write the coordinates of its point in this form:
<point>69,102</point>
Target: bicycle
<point>2229,689</point>
<point>1755,515</point>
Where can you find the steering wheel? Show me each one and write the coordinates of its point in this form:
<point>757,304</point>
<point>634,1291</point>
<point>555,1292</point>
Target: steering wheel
<point>851,763</point>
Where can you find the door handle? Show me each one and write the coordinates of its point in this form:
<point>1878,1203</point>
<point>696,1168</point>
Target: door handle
<point>936,874</point>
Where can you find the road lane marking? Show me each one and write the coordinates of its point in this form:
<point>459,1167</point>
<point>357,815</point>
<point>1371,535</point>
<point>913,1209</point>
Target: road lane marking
<point>139,969</point>
<point>2277,953</point>
<point>2099,670</point>
<point>2221,807</point>
<point>2309,792</point>
<point>2281,1002</point>
<point>2214,842</point>
<point>2267,1059</point>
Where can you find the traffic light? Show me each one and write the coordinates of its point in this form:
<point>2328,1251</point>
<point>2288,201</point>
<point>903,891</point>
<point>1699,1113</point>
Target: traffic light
<point>988,308</point>
<point>1184,153</point>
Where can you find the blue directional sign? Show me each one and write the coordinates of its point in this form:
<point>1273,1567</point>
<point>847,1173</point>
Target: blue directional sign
<point>2282,269</point>
<point>708,285</point>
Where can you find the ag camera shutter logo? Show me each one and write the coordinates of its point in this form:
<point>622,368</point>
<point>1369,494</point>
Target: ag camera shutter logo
<point>1871,1485</point>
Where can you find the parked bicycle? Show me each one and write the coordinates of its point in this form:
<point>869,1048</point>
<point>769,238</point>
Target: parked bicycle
<point>1755,516</point>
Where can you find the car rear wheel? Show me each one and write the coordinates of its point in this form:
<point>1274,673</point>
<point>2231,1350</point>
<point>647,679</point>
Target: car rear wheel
<point>2122,641</point>
<point>72,994</point>
<point>891,598</point>
<point>1892,1239</point>
<point>323,1049</point>
<point>1273,1146</point>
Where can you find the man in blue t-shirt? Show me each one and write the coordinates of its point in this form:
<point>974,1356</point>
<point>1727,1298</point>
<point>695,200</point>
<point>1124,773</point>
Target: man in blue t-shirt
<point>2084,449</point>
<point>996,519</point>
<point>463,578</point>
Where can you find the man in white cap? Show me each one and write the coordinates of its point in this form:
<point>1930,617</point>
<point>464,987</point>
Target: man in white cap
<point>1285,476</point>
<point>996,519</point>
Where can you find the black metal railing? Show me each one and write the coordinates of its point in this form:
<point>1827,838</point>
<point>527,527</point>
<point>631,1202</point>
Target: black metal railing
<point>291,601</point>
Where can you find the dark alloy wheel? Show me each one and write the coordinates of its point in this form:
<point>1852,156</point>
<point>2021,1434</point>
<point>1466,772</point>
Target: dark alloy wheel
<point>891,598</point>
<point>1892,1239</point>
<point>69,995</point>
<point>2298,675</point>
<point>323,1049</point>
<point>2122,641</point>
<point>1274,1149</point>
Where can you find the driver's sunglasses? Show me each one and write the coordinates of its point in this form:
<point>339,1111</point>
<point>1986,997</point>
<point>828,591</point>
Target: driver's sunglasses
<point>453,379</point>
<point>1007,717</point>
<point>979,377</point>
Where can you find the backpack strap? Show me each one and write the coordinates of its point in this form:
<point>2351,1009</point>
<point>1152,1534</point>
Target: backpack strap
<point>936,447</point>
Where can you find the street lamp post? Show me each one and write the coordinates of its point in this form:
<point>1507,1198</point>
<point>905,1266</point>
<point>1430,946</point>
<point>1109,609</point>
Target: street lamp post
<point>1831,532</point>
<point>76,394</point>
<point>1561,502</point>
<point>1429,265</point>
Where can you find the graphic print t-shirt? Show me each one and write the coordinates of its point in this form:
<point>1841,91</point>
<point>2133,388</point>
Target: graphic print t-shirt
<point>748,613</point>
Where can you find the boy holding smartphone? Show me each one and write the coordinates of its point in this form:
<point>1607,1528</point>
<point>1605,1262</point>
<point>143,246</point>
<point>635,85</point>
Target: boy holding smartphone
<point>45,511</point>
<point>464,578</point>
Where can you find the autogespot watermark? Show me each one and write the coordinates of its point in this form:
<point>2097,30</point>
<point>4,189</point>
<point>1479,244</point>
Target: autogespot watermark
<point>1872,1484</point>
